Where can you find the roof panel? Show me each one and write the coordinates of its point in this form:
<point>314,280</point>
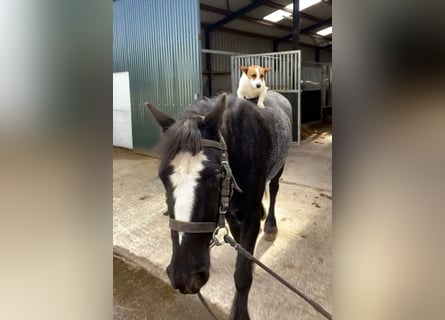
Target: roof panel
<point>210,17</point>
<point>321,10</point>
<point>253,21</point>
<point>255,28</point>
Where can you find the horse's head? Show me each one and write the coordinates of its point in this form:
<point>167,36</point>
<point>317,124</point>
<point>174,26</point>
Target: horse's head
<point>190,172</point>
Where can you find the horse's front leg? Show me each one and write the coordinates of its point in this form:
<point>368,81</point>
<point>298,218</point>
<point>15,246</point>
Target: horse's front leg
<point>243,271</point>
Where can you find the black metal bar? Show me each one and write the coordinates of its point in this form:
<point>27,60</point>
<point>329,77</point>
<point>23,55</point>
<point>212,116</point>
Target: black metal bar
<point>308,29</point>
<point>244,18</point>
<point>237,14</point>
<point>208,61</point>
<point>317,54</point>
<point>296,26</point>
<point>316,25</point>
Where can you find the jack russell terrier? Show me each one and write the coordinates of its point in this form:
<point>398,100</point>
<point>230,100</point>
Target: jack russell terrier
<point>252,84</point>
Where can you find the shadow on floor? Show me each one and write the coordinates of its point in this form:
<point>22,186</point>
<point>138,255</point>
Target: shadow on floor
<point>138,295</point>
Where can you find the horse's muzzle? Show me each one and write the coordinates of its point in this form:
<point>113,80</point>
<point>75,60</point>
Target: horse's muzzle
<point>187,284</point>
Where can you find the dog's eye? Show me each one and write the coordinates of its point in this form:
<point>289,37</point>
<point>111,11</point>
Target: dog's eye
<point>253,76</point>
<point>262,76</point>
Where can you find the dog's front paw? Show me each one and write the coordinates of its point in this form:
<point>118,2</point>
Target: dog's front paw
<point>261,105</point>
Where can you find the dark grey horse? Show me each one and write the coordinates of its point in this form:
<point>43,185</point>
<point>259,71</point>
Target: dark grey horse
<point>257,142</point>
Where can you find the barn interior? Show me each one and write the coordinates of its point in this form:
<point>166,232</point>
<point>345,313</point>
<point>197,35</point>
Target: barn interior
<point>173,53</point>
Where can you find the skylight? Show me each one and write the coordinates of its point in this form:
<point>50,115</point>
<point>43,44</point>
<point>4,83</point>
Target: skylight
<point>277,15</point>
<point>325,31</point>
<point>303,4</point>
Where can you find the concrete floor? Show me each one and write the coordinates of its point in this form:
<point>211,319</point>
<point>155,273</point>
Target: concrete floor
<point>301,253</point>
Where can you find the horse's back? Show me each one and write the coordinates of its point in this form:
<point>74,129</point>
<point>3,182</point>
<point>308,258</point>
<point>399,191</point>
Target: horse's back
<point>278,114</point>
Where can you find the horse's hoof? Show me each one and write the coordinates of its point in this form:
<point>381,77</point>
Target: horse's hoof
<point>270,234</point>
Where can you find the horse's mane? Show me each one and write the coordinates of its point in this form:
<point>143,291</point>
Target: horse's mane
<point>184,135</point>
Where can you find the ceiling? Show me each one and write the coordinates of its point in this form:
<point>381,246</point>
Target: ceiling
<point>246,17</point>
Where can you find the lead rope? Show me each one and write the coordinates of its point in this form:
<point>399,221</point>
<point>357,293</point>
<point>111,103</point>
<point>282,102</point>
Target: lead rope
<point>228,184</point>
<point>201,298</point>
<point>249,256</point>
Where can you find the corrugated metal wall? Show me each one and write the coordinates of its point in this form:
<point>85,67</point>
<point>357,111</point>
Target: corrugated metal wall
<point>157,41</point>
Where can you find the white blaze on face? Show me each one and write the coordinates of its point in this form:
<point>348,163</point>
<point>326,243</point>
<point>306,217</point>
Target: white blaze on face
<point>186,172</point>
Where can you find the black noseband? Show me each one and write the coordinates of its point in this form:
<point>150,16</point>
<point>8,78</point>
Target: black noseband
<point>192,227</point>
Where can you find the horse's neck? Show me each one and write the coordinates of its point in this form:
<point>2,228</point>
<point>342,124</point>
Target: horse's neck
<point>237,137</point>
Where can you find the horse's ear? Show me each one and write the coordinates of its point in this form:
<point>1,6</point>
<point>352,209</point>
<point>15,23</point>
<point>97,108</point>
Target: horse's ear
<point>214,118</point>
<point>163,119</point>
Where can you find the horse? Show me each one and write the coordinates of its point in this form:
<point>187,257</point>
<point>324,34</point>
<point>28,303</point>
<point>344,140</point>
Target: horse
<point>254,141</point>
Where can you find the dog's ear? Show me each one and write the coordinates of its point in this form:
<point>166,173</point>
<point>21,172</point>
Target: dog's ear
<point>163,119</point>
<point>267,69</point>
<point>214,118</point>
<point>244,69</point>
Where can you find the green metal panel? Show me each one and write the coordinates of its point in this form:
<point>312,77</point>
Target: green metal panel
<point>120,54</point>
<point>157,42</point>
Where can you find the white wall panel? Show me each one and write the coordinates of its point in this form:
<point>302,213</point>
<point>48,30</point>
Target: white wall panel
<point>122,134</point>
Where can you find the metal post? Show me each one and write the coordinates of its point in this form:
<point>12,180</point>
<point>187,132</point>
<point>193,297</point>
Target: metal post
<point>296,46</point>
<point>317,54</point>
<point>208,61</point>
<point>296,26</point>
<point>299,97</point>
<point>275,46</point>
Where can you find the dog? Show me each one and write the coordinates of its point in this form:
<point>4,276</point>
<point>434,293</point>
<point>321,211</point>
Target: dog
<point>252,84</point>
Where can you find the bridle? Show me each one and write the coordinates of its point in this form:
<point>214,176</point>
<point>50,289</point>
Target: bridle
<point>227,184</point>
